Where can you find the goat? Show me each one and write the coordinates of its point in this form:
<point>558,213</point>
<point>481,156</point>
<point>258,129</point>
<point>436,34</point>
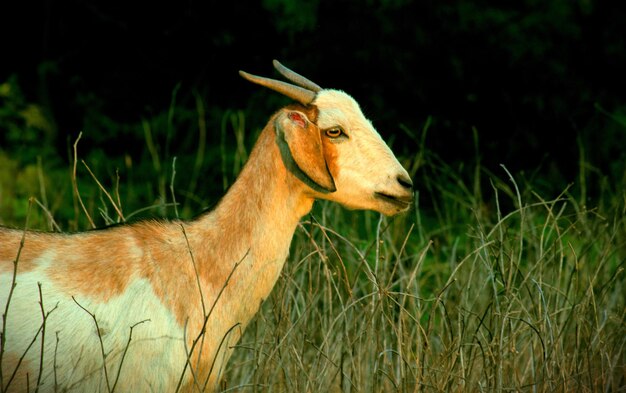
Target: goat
<point>185,291</point>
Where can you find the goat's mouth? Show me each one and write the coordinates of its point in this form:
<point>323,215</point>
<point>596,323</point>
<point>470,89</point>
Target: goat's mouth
<point>402,202</point>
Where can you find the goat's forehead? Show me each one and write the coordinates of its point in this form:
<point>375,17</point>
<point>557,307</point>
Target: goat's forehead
<point>338,108</point>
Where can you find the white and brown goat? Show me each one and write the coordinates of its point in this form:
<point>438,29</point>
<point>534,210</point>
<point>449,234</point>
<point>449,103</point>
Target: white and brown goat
<point>195,285</point>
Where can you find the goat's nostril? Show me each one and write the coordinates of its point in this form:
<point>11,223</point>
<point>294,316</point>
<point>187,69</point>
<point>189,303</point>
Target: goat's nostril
<point>405,181</point>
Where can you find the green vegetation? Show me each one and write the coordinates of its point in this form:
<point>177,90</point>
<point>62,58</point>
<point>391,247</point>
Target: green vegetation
<point>493,282</point>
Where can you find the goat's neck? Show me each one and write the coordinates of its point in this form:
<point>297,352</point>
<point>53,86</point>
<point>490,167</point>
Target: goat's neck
<point>252,226</point>
<point>265,195</point>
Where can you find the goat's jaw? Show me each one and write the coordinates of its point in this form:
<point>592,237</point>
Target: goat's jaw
<point>382,203</point>
<point>393,204</point>
<point>389,194</point>
<point>386,200</point>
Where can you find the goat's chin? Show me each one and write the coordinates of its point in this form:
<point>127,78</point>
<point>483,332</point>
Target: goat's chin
<point>389,212</point>
<point>390,205</point>
<point>389,209</point>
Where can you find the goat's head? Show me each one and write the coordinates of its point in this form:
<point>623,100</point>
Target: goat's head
<point>330,145</point>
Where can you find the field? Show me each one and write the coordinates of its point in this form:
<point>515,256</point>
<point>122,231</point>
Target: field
<point>521,293</point>
<point>492,282</point>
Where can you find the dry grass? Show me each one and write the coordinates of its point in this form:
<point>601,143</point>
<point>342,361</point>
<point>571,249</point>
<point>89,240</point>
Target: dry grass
<point>509,292</point>
<point>530,299</point>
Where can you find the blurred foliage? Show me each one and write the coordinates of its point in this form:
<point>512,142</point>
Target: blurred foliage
<point>159,166</point>
<point>26,127</point>
<point>293,16</point>
<point>536,86</point>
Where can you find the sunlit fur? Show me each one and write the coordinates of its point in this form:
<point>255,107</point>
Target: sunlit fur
<point>161,273</point>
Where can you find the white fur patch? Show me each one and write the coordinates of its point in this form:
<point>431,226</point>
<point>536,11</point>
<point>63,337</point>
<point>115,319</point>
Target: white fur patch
<point>79,358</point>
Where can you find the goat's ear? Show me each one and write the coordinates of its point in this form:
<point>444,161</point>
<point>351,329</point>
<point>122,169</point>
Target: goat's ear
<point>300,145</point>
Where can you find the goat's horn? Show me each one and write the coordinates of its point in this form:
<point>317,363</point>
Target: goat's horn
<point>296,78</point>
<point>302,95</point>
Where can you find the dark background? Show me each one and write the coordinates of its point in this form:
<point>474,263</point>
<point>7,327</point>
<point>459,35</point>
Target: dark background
<point>537,80</point>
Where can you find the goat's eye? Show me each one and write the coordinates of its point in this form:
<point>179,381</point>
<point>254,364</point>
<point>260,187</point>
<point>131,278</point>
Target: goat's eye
<point>334,132</point>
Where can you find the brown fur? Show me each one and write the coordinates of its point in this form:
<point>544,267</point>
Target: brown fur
<point>305,146</point>
<point>34,246</point>
<point>330,156</point>
<point>25,375</point>
<point>94,265</point>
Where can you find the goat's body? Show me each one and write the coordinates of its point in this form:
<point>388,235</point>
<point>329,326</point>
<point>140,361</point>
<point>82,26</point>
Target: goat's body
<point>125,275</point>
<point>186,290</point>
